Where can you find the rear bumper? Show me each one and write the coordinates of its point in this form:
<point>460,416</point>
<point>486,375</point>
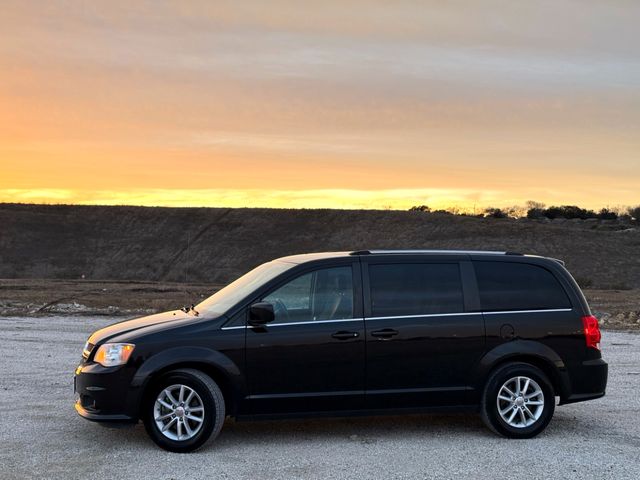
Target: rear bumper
<point>588,382</point>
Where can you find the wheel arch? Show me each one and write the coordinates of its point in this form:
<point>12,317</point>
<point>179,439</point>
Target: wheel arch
<point>211,362</point>
<point>533,353</point>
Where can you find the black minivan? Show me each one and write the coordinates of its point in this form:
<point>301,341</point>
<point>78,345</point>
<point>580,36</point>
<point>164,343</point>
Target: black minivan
<point>342,333</point>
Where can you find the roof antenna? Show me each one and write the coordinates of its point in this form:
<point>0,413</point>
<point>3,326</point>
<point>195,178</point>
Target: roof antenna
<point>186,274</point>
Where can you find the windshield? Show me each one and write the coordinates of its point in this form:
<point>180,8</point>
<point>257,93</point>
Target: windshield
<point>223,299</point>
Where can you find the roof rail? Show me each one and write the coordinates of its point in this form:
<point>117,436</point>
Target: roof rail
<point>468,252</point>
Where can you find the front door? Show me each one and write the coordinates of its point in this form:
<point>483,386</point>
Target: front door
<point>311,357</point>
<point>421,342</point>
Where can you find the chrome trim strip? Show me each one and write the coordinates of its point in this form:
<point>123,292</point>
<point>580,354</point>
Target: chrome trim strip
<point>446,252</point>
<point>306,395</point>
<point>470,313</point>
<point>298,323</point>
<point>530,311</point>
<point>424,315</point>
<point>418,390</point>
<point>399,317</point>
<point>314,322</point>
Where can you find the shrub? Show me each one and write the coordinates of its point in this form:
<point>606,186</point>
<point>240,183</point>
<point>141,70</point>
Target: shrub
<point>569,212</point>
<point>420,208</point>
<point>606,214</point>
<point>495,213</point>
<point>536,213</point>
<point>635,213</point>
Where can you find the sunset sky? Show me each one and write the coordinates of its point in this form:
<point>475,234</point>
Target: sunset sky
<point>346,104</point>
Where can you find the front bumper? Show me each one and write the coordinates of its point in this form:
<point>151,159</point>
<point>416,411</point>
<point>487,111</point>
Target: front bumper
<point>100,417</point>
<point>105,394</point>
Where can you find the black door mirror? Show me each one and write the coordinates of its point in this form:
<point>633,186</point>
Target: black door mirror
<point>261,313</point>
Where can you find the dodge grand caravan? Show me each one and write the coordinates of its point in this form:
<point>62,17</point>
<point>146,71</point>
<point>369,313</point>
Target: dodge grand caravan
<point>341,333</point>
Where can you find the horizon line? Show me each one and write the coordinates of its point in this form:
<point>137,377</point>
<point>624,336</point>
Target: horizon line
<point>451,209</point>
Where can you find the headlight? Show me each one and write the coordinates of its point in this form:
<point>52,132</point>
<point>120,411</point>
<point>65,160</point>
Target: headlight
<point>112,354</point>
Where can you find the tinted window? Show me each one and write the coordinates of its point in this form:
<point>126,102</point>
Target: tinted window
<point>415,289</point>
<point>325,294</point>
<point>518,286</point>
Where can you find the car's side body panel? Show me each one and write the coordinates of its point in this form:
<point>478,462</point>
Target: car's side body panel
<point>427,362</point>
<point>307,365</point>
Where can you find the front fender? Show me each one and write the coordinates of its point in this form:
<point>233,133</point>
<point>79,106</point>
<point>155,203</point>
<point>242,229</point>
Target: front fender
<point>523,350</point>
<point>190,355</point>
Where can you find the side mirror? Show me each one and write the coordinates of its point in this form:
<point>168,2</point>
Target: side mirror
<point>260,314</point>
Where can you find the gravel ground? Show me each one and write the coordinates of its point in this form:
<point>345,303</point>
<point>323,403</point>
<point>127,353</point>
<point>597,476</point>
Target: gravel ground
<point>42,437</point>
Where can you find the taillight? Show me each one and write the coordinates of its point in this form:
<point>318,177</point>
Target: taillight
<point>591,331</point>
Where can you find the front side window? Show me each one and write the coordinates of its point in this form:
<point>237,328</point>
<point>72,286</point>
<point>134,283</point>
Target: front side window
<point>415,289</point>
<point>325,294</point>
<point>518,286</point>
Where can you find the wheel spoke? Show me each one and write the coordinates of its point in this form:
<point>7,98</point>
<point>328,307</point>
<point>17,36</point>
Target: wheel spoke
<point>196,409</point>
<point>164,417</point>
<point>506,410</point>
<point>179,429</point>
<point>188,428</point>
<point>517,386</point>
<point>513,414</point>
<point>170,397</point>
<point>189,397</point>
<point>522,417</point>
<point>194,418</point>
<point>526,386</point>
<point>181,394</point>
<point>165,404</point>
<point>528,412</point>
<point>504,387</point>
<point>535,402</point>
<point>506,399</point>
<point>166,427</point>
<point>533,394</point>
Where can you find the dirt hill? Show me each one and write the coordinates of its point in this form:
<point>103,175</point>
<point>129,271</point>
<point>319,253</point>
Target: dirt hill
<point>212,245</point>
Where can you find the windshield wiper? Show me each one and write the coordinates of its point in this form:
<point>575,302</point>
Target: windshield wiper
<point>192,308</point>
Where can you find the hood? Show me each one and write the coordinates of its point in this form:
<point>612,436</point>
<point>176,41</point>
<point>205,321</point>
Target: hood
<point>137,323</point>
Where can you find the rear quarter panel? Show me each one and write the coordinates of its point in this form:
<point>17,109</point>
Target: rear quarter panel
<point>554,336</point>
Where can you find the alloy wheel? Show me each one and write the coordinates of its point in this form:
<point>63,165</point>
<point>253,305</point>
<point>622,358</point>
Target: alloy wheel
<point>520,402</point>
<point>179,412</point>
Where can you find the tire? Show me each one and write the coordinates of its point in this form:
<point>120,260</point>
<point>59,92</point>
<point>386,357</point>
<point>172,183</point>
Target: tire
<point>521,417</point>
<point>185,433</point>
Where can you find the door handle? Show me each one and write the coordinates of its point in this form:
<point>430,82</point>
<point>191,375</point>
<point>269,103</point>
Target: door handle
<point>384,334</point>
<point>344,335</point>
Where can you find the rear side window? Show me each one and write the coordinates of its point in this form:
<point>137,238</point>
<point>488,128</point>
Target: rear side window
<point>518,286</point>
<point>415,289</point>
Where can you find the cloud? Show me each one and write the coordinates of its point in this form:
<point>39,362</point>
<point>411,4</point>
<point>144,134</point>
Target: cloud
<point>335,97</point>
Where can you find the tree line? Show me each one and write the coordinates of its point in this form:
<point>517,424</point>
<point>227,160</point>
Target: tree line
<point>538,210</point>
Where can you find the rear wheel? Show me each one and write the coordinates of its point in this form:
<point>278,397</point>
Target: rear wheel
<point>518,401</point>
<point>184,410</point>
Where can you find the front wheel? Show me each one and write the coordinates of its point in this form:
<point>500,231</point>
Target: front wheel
<point>184,410</point>
<point>518,401</point>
